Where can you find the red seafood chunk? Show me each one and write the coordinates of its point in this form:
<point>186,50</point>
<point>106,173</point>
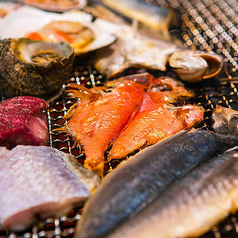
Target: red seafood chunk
<point>22,121</point>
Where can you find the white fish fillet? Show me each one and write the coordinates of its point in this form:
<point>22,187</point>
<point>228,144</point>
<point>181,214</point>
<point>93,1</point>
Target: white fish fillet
<point>40,182</point>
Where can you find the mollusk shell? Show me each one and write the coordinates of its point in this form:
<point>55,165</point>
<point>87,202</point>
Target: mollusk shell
<point>34,68</point>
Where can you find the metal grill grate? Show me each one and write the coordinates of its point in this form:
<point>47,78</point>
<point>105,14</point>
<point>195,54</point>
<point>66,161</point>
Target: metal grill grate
<point>206,25</point>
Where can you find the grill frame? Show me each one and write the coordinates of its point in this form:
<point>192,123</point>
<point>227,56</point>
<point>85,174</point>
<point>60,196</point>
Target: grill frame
<point>208,25</point>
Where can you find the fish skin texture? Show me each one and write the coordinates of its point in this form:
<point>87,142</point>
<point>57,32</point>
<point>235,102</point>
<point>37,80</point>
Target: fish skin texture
<point>136,182</point>
<point>192,206</point>
<point>22,121</point>
<point>38,182</point>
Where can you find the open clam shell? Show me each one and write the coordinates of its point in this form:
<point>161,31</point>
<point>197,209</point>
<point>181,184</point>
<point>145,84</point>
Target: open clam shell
<point>194,66</point>
<point>34,68</point>
<point>29,19</point>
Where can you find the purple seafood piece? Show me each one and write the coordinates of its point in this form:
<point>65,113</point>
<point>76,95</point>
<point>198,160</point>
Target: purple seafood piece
<point>22,121</point>
<point>38,182</point>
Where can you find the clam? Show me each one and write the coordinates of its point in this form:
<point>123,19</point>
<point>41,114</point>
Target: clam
<point>34,68</point>
<point>194,66</point>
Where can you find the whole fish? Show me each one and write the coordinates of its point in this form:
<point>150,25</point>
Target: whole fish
<point>100,116</point>
<point>38,182</point>
<point>192,206</point>
<point>153,124</point>
<point>136,182</point>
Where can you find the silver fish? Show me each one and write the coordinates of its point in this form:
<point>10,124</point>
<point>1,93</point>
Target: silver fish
<point>38,182</point>
<point>136,182</point>
<point>192,206</point>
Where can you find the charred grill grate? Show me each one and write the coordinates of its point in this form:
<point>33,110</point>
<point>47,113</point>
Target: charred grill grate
<point>206,25</point>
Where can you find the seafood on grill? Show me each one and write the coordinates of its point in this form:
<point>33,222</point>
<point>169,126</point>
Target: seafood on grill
<point>129,189</point>
<point>22,121</point>
<point>193,205</point>
<point>133,51</point>
<point>149,16</point>
<point>77,28</point>
<point>225,120</point>
<point>35,68</point>
<point>194,66</point>
<point>151,125</point>
<point>38,182</point>
<point>156,118</point>
<point>56,5</point>
<point>100,116</point>
<point>77,35</point>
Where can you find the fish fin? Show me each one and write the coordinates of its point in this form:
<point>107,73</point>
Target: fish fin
<point>98,169</point>
<point>61,129</point>
<point>79,91</point>
<point>70,112</point>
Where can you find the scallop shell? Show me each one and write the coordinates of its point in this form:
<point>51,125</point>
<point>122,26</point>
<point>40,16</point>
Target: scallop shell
<point>28,19</point>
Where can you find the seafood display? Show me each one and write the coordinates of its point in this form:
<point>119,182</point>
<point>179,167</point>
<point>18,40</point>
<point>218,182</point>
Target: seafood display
<point>27,20</point>
<point>194,66</point>
<point>46,183</point>
<point>192,206</point>
<point>22,121</point>
<point>56,5</point>
<point>129,188</point>
<point>27,67</point>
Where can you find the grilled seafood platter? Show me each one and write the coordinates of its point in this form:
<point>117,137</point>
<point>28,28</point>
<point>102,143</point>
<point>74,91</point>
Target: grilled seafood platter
<point>34,68</point>
<point>78,29</point>
<point>56,5</point>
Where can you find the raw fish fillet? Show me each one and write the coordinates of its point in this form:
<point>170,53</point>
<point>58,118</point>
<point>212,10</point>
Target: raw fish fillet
<point>22,121</point>
<point>38,182</point>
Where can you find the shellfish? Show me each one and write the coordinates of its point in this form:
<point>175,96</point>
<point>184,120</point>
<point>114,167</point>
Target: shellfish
<point>194,66</point>
<point>34,68</point>
<point>28,19</point>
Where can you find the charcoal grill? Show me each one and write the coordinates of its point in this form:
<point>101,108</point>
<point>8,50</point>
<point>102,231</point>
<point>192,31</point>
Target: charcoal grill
<point>206,25</point>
